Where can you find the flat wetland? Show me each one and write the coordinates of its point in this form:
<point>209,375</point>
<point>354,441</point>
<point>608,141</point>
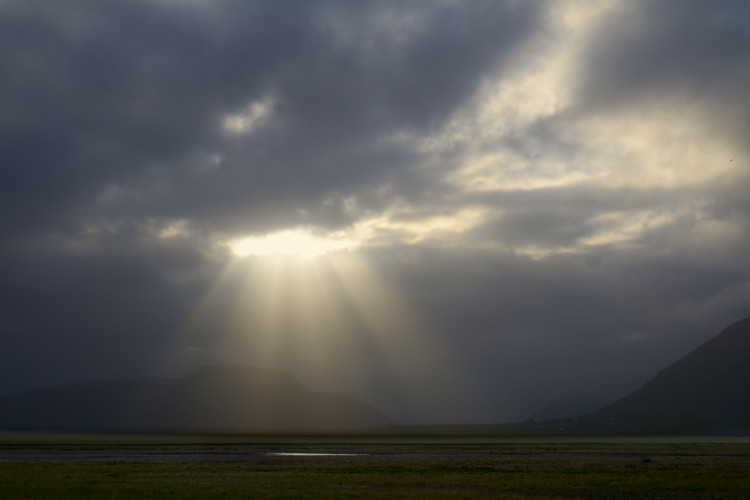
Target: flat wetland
<point>371,466</point>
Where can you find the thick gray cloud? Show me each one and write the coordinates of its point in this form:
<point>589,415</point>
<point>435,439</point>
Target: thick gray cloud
<point>130,96</point>
<point>543,200</point>
<point>685,50</point>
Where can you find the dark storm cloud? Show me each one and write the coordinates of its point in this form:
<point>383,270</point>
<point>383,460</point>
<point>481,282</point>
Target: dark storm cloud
<point>80,103</point>
<point>674,54</point>
<point>652,46</point>
<point>132,94</point>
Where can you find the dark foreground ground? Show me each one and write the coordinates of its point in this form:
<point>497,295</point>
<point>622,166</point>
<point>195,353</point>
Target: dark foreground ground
<point>154,466</point>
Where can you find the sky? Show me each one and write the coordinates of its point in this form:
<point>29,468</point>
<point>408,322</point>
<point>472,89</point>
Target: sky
<point>457,211</point>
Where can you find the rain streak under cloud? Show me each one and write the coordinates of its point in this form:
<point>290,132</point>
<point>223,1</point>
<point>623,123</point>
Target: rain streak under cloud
<point>456,211</point>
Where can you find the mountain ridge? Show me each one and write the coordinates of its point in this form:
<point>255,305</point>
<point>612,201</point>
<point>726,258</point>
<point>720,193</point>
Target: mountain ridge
<point>710,386</point>
<point>217,397</point>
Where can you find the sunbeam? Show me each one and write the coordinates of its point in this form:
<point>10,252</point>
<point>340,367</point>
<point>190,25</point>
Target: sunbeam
<point>331,320</point>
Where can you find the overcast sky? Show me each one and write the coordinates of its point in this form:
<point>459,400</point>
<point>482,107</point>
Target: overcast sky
<point>459,211</point>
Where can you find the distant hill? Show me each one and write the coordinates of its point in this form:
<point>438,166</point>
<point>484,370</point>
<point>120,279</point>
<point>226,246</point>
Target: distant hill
<point>567,409</point>
<point>707,389</point>
<point>215,398</point>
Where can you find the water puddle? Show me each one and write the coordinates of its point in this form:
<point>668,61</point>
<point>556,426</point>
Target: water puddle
<point>311,454</point>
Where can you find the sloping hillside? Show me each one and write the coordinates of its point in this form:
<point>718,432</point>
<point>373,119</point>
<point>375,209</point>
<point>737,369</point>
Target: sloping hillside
<point>223,397</point>
<point>708,387</point>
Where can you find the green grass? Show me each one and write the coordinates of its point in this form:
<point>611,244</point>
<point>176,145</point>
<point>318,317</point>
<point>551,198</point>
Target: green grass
<point>91,466</point>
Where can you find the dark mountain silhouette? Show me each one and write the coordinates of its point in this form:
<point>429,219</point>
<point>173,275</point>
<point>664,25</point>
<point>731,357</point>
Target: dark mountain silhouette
<point>223,397</point>
<point>707,389</point>
<point>567,409</point>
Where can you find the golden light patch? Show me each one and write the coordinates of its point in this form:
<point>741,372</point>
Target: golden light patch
<point>292,243</point>
<point>544,86</point>
<point>400,225</point>
<point>621,227</point>
<point>665,146</point>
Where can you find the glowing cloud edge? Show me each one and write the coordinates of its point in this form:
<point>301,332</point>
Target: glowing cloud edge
<point>297,242</point>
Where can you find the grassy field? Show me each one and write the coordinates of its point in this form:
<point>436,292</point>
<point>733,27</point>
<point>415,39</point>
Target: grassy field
<point>154,466</point>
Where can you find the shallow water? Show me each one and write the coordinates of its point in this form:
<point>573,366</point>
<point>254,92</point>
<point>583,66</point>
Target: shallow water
<point>313,454</point>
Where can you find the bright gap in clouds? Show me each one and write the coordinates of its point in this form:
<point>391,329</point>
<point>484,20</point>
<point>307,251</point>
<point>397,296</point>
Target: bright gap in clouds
<point>317,322</point>
<point>299,243</point>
